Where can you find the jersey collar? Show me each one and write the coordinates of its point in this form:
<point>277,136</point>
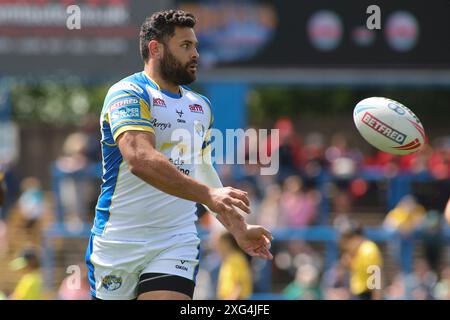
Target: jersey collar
<point>167,93</point>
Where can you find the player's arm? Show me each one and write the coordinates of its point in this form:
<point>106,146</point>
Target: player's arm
<point>147,163</point>
<point>253,239</point>
<point>447,212</point>
<point>205,173</point>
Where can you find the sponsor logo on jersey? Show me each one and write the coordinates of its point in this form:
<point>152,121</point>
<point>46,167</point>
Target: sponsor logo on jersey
<point>179,163</point>
<point>196,108</point>
<point>180,114</point>
<point>158,102</point>
<point>111,282</point>
<point>124,102</point>
<point>383,129</point>
<point>160,125</point>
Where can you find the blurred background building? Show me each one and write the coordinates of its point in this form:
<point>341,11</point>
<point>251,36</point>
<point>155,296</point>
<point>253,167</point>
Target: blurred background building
<point>299,67</point>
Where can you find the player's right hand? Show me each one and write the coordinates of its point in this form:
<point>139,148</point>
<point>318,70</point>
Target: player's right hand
<point>222,200</point>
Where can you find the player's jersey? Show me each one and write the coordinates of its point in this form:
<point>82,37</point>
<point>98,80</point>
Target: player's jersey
<point>129,208</point>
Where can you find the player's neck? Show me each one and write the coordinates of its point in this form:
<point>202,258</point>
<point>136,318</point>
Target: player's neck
<point>163,85</point>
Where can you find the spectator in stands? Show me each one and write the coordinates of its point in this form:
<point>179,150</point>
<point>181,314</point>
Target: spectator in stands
<point>433,238</point>
<point>30,285</point>
<point>305,285</point>
<point>290,148</point>
<point>442,288</point>
<point>2,193</point>
<point>397,289</point>
<point>269,215</point>
<point>255,202</point>
<point>313,155</point>
<point>342,209</point>
<point>335,282</point>
<point>364,261</point>
<point>421,282</point>
<point>344,162</point>
<point>76,285</point>
<point>439,160</point>
<point>406,217</point>
<point>3,226</point>
<point>417,162</point>
<point>235,276</point>
<point>90,127</point>
<point>75,193</point>
<point>31,202</point>
<point>299,208</point>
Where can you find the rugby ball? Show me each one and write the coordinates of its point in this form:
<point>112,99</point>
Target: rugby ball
<point>389,126</point>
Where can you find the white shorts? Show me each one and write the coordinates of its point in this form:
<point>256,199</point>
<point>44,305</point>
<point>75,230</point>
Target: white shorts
<point>116,266</point>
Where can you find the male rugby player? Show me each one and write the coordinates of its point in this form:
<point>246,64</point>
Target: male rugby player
<point>144,241</point>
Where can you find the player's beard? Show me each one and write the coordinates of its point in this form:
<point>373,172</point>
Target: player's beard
<point>172,70</point>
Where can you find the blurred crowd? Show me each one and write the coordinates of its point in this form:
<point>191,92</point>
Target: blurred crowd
<point>292,198</point>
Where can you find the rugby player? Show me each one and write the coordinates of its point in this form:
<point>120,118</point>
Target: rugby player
<point>144,242</point>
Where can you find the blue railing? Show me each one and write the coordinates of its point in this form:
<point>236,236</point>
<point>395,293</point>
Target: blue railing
<point>397,187</point>
<point>326,235</point>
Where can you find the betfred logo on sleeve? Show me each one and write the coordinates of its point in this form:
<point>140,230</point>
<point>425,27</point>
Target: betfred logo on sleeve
<point>124,102</point>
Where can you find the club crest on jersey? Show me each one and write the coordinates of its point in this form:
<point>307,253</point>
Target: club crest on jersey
<point>111,282</point>
<point>158,102</point>
<point>180,114</point>
<point>196,108</point>
<point>199,128</point>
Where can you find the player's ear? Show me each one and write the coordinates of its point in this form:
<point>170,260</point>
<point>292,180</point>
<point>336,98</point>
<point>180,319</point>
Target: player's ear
<point>155,49</point>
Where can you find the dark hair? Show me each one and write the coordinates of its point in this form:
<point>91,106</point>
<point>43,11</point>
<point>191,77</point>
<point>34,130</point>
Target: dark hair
<point>354,229</point>
<point>161,25</point>
<point>31,257</point>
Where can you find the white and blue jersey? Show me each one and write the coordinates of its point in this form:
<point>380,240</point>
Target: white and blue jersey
<point>129,208</point>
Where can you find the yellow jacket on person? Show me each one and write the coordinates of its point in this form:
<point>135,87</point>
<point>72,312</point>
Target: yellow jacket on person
<point>361,266</point>
<point>235,276</point>
<point>29,287</point>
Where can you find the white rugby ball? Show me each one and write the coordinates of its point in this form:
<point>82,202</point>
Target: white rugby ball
<point>389,126</point>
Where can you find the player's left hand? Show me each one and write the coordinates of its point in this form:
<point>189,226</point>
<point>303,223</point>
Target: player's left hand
<point>255,241</point>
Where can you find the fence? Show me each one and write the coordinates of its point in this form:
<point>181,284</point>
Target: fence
<point>397,187</point>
